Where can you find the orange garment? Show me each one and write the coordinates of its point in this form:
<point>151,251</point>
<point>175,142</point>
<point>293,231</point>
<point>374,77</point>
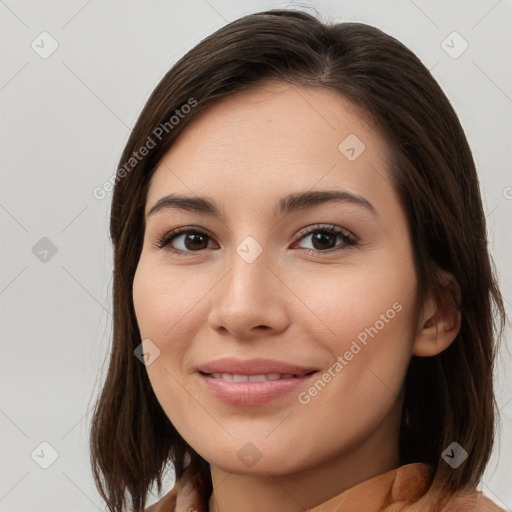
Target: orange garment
<point>403,489</point>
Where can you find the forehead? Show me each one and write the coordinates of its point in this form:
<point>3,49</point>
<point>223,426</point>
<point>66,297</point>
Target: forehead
<point>272,138</point>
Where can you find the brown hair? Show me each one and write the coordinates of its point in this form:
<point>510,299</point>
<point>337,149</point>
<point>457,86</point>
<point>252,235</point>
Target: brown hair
<point>449,397</point>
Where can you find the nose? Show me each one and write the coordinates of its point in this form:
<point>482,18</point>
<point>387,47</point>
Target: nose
<point>250,301</point>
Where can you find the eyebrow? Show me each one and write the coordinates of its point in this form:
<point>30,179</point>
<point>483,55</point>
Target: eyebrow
<point>290,203</point>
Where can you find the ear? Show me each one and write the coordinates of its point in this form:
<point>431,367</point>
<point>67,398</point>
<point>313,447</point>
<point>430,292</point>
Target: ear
<point>440,320</point>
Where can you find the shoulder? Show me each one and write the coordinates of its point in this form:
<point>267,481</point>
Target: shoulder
<point>471,501</point>
<point>465,500</point>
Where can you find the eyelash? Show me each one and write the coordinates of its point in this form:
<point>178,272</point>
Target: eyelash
<point>348,239</point>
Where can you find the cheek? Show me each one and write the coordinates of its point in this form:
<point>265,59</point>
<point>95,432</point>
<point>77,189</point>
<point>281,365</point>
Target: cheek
<point>362,316</point>
<point>164,301</point>
<point>163,304</point>
<point>345,303</point>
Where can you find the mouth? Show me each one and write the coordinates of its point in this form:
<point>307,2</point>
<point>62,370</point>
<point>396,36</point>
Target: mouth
<point>239,377</point>
<point>244,390</point>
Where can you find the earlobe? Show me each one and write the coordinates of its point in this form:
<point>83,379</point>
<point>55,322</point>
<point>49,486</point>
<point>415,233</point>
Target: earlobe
<point>441,320</point>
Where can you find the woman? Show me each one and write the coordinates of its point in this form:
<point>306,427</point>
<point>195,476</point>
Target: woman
<point>271,369</point>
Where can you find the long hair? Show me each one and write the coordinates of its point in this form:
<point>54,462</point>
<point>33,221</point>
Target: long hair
<point>448,397</point>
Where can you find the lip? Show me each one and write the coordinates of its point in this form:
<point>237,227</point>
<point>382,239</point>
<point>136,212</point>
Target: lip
<point>252,393</point>
<point>253,367</point>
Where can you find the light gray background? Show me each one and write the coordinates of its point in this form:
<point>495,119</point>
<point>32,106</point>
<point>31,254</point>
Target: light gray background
<point>64,122</point>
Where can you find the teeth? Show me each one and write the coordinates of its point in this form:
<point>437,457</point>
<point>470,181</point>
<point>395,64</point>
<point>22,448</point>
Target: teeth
<point>257,378</point>
<point>251,378</point>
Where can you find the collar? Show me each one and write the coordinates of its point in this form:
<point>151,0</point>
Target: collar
<point>403,488</point>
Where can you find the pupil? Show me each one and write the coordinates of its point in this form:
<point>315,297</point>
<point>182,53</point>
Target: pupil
<point>196,241</point>
<point>322,236</point>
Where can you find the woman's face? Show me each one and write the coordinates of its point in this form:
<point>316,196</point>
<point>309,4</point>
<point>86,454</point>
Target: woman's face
<point>254,284</point>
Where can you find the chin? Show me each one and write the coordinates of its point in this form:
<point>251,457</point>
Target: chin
<point>248,459</point>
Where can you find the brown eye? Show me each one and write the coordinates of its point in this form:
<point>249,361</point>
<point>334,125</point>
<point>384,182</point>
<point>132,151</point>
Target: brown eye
<point>194,240</point>
<point>323,238</point>
<point>187,240</point>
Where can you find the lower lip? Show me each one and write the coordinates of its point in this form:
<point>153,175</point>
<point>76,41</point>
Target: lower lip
<point>252,393</point>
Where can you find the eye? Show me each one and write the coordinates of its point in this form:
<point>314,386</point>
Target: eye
<point>324,238</point>
<point>193,240</point>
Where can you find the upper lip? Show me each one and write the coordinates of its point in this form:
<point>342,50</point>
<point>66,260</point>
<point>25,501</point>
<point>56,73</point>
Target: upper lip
<point>253,367</point>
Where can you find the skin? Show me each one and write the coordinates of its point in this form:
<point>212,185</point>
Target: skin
<point>245,153</point>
